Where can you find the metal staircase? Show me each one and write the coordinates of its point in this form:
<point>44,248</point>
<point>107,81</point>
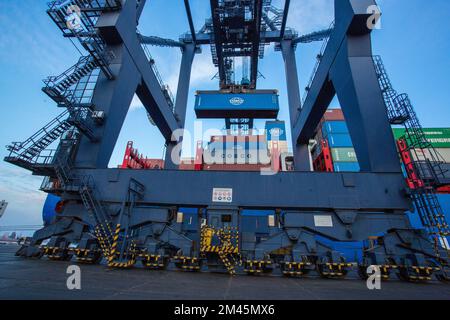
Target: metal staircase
<point>56,86</point>
<point>28,154</point>
<point>123,250</point>
<point>422,162</point>
<point>63,88</point>
<point>427,160</point>
<point>77,19</point>
<point>102,219</point>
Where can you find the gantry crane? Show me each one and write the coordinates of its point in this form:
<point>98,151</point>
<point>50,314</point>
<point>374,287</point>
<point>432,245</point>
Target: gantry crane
<point>131,215</point>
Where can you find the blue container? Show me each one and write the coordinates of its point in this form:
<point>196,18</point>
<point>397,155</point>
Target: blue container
<point>261,104</point>
<point>334,127</point>
<point>340,140</point>
<point>49,212</point>
<point>276,130</point>
<point>346,167</point>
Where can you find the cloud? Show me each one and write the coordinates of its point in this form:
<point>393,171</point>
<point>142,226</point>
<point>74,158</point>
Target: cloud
<point>203,68</point>
<point>21,190</point>
<point>307,16</point>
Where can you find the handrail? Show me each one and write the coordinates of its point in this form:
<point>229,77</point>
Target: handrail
<point>316,67</point>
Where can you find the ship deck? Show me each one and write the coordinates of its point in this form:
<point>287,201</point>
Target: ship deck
<point>42,279</point>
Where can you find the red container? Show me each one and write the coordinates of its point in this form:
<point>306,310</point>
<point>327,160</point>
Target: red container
<point>187,164</point>
<point>333,115</point>
<point>444,190</point>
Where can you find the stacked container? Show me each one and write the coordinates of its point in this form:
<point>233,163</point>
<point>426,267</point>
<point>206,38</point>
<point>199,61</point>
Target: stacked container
<point>236,153</point>
<point>276,132</point>
<point>333,128</point>
<point>439,138</point>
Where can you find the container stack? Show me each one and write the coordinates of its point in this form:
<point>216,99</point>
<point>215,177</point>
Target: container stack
<point>333,129</point>
<point>276,131</point>
<point>236,153</point>
<point>439,138</point>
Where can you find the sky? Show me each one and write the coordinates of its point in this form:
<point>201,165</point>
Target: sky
<point>413,42</point>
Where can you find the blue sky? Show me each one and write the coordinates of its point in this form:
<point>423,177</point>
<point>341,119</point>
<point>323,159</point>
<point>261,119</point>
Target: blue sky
<point>413,42</point>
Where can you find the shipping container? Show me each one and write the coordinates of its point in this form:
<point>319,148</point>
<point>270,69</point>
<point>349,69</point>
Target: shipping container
<point>344,155</point>
<point>283,146</point>
<point>334,127</point>
<point>421,155</point>
<point>260,104</point>
<point>276,130</point>
<point>340,141</point>
<point>234,156</point>
<point>187,164</point>
<point>235,167</point>
<point>346,167</point>
<point>241,138</point>
<point>438,137</point>
<point>333,115</point>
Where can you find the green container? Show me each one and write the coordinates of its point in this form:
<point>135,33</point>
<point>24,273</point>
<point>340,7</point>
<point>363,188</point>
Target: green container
<point>344,155</point>
<point>438,137</point>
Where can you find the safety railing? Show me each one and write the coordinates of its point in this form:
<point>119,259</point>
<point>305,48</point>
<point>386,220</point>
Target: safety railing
<point>316,66</point>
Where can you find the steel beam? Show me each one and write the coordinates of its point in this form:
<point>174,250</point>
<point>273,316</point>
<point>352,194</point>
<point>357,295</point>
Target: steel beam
<point>267,36</point>
<point>347,69</point>
<point>258,10</point>
<point>285,16</point>
<point>191,23</point>
<point>182,98</point>
<point>217,38</point>
<point>140,9</point>
<point>120,27</point>
<point>300,151</point>
<point>355,81</point>
<point>113,97</point>
<point>296,190</point>
<point>161,42</point>
<point>314,36</point>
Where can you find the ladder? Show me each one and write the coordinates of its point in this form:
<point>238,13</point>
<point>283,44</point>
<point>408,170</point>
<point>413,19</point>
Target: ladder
<point>102,219</point>
<point>422,162</point>
<point>123,249</point>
